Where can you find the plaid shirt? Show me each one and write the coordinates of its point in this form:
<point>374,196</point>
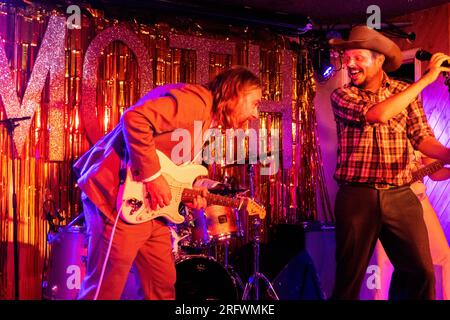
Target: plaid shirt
<point>376,153</point>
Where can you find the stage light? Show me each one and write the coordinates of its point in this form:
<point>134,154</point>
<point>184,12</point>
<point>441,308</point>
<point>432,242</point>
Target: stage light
<point>323,67</point>
<point>328,72</point>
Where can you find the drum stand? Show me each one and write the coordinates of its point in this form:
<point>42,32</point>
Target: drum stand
<point>237,280</point>
<point>253,281</point>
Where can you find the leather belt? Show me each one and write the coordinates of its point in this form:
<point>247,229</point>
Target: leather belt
<point>377,186</point>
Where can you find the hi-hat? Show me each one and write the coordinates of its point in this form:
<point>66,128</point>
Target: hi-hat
<point>250,160</point>
<point>226,189</point>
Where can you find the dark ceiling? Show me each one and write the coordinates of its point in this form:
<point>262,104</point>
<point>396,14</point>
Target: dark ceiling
<point>334,11</point>
<point>282,16</point>
<point>284,13</point>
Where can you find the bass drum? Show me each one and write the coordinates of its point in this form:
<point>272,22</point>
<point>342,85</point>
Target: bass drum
<point>67,267</point>
<point>67,264</point>
<point>201,277</point>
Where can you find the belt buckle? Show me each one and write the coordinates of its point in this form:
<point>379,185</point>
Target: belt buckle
<point>382,186</point>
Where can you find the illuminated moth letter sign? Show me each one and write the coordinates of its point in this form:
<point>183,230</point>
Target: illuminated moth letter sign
<point>50,60</point>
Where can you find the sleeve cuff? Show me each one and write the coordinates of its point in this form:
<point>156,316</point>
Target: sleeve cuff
<point>153,177</point>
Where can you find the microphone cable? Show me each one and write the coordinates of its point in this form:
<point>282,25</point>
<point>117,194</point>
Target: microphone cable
<point>108,251</point>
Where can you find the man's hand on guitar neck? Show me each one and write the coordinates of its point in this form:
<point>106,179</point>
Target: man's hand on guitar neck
<point>199,201</point>
<point>160,195</point>
<point>159,192</point>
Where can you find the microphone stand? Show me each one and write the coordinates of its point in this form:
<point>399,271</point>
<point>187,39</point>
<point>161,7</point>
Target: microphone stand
<point>10,125</point>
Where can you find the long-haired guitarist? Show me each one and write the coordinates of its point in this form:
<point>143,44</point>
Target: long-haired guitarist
<point>135,145</point>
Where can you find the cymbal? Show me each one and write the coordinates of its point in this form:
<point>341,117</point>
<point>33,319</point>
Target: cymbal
<point>240,189</point>
<point>247,160</point>
<point>225,189</point>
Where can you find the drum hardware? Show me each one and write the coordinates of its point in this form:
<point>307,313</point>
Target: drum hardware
<point>226,245</point>
<point>78,221</point>
<point>201,277</point>
<point>237,279</point>
<point>256,276</point>
<point>52,213</point>
<point>230,268</point>
<point>176,241</point>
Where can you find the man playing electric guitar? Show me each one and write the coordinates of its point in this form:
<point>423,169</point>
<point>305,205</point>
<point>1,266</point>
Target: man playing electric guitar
<point>229,100</point>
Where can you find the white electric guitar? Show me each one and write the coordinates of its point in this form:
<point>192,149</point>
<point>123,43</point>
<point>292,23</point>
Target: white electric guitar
<point>134,206</point>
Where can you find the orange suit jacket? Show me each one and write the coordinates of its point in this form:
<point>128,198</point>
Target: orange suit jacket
<point>143,128</point>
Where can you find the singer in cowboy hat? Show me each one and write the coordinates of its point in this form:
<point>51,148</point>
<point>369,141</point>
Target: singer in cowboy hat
<point>380,122</point>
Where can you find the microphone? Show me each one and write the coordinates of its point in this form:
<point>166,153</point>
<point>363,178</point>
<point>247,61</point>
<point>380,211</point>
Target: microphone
<point>411,36</point>
<point>423,55</point>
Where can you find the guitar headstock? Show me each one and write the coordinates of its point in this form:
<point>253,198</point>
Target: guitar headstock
<point>253,208</point>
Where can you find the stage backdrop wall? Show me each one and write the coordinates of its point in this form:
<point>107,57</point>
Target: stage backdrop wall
<point>327,130</point>
<point>75,83</point>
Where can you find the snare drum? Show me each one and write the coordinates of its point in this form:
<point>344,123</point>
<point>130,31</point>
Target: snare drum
<point>201,277</point>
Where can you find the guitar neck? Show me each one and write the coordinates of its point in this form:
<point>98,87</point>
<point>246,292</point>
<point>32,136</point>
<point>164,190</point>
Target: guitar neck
<point>427,170</point>
<point>188,195</point>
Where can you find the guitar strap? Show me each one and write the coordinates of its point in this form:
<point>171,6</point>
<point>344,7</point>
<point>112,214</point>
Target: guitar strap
<point>123,167</point>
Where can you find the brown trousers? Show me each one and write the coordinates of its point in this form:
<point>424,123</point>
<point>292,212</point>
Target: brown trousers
<point>147,245</point>
<point>395,216</point>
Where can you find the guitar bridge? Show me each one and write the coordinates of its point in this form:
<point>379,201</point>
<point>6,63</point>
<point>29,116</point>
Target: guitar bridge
<point>135,205</point>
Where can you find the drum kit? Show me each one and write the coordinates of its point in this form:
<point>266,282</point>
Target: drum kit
<point>200,274</point>
<point>203,230</point>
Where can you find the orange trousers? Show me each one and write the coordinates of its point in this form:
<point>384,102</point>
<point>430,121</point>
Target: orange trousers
<point>147,245</point>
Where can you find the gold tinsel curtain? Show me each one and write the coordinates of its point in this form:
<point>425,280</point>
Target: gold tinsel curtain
<point>39,179</point>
